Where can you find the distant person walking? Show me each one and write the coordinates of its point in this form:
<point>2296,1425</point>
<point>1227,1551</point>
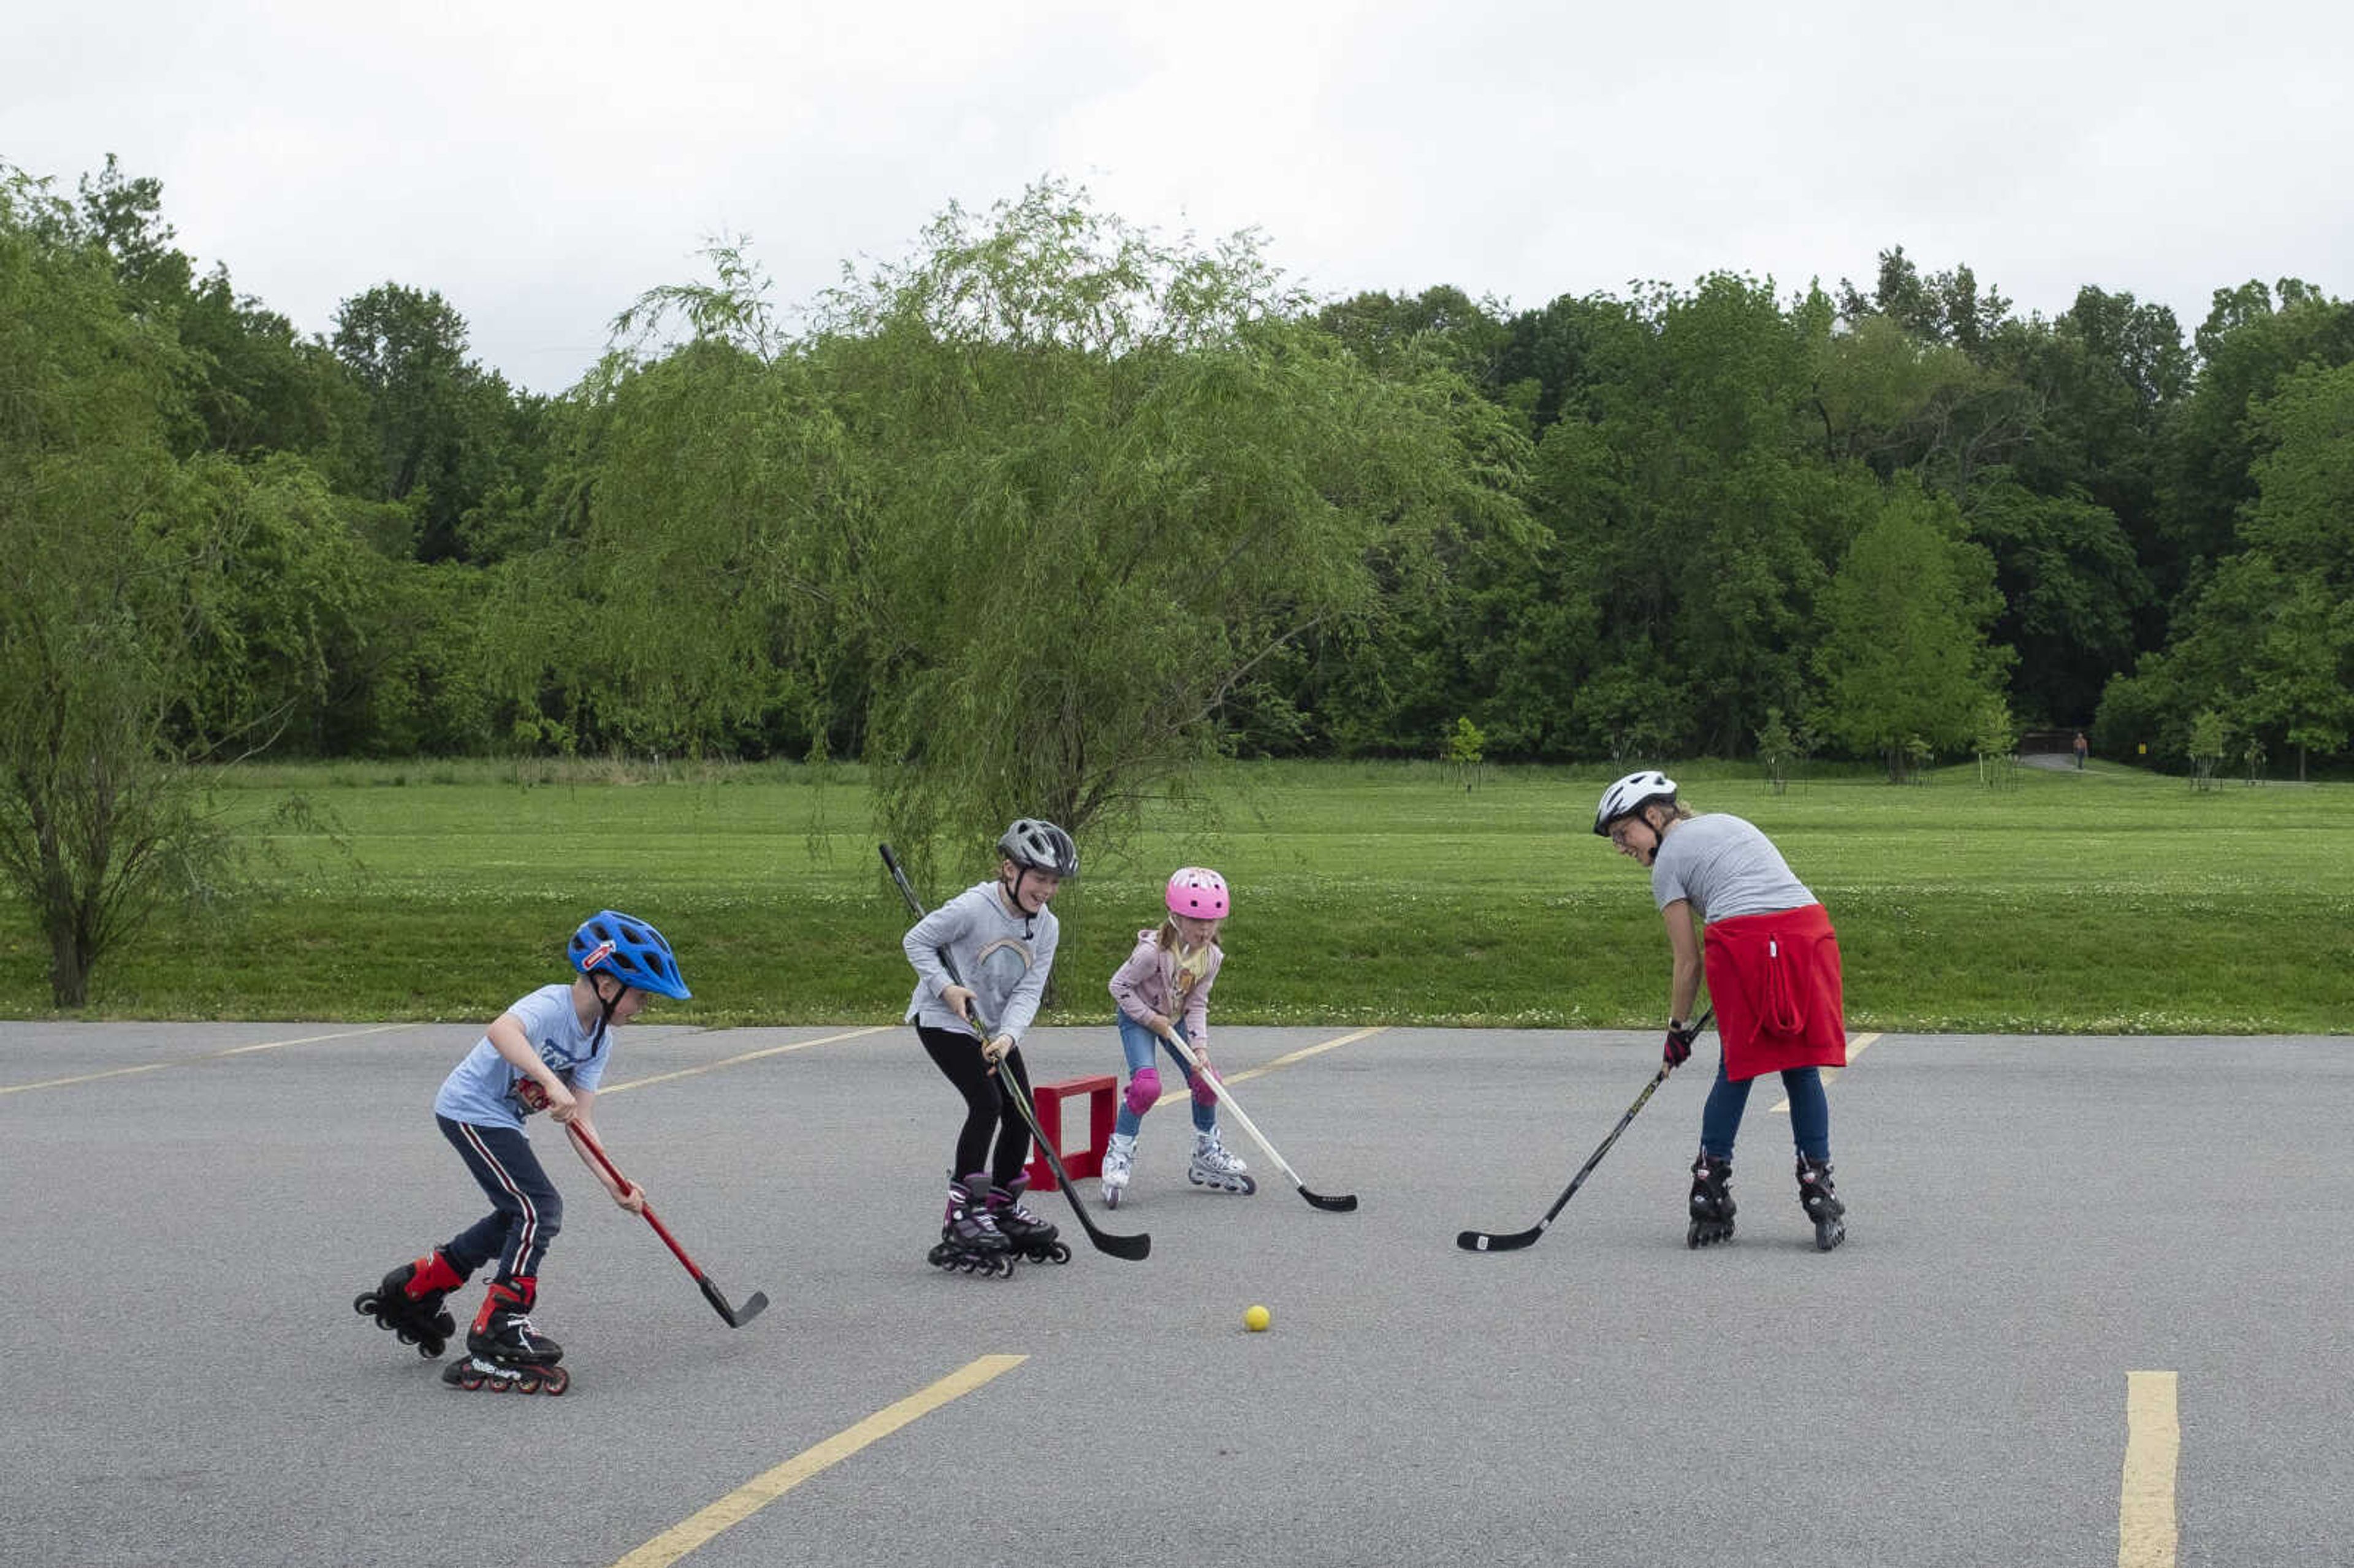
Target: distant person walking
<point>1773,970</point>
<point>2080,749</point>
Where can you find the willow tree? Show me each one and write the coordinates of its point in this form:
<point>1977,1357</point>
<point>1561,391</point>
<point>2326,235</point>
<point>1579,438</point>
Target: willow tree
<point>1022,514</point>
<point>1104,478</point>
<point>98,820</point>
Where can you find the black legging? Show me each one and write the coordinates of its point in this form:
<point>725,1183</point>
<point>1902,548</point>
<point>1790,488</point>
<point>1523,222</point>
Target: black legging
<point>958,1054</point>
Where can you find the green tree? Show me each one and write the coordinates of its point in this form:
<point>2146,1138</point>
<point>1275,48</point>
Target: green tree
<point>98,820</point>
<point>450,437</point>
<point>1994,736</point>
<point>2207,735</point>
<point>1058,489</point>
<point>1905,659</point>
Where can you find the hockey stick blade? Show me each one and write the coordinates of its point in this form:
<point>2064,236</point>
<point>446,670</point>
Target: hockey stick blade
<point>734,1318</point>
<point>1487,1241</point>
<point>1337,1203</point>
<point>737,1316</point>
<point>1134,1248</point>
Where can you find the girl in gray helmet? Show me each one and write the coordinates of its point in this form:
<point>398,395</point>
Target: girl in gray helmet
<point>1772,963</point>
<point>1000,936</point>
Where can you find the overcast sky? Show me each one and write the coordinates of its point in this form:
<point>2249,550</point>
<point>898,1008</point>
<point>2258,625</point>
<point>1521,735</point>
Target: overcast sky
<point>540,164</point>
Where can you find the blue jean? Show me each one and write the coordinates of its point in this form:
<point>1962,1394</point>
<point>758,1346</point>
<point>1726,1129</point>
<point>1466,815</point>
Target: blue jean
<point>1811,1113</point>
<point>1137,1043</point>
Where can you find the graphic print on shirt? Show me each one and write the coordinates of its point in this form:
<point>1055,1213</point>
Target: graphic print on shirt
<point>526,1092</point>
<point>1003,962</point>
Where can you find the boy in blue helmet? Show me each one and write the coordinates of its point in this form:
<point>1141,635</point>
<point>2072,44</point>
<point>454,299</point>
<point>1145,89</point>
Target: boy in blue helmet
<point>546,1052</point>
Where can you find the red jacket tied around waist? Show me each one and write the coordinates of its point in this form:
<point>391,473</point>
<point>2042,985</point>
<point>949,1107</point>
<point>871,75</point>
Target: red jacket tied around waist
<point>1775,981</point>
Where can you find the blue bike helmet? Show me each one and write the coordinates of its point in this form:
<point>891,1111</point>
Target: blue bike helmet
<point>630,951</point>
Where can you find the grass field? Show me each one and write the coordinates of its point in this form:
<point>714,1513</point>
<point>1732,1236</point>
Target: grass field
<point>2111,901</point>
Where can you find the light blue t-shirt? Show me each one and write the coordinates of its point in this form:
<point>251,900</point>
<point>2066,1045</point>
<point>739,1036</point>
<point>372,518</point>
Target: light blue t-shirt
<point>1724,867</point>
<point>481,1089</point>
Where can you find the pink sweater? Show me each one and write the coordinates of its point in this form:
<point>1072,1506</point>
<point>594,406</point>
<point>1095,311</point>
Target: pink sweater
<point>1146,984</point>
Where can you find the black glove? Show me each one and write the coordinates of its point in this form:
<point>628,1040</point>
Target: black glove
<point>1678,1050</point>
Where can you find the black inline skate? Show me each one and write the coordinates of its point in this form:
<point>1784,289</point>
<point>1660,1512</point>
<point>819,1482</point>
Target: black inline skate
<point>1822,1201</point>
<point>1712,1201</point>
<point>1026,1236</point>
<point>505,1351</point>
<point>970,1242</point>
<point>409,1303</point>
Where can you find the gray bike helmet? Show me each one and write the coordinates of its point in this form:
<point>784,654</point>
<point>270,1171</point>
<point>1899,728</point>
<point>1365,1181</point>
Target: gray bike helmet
<point>1630,795</point>
<point>1034,845</point>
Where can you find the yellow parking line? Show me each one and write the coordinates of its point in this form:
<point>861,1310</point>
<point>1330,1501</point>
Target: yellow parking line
<point>761,1491</point>
<point>205,1056</point>
<point>1259,1072</point>
<point>1830,1074</point>
<point>735,1061</point>
<point>2146,1533</point>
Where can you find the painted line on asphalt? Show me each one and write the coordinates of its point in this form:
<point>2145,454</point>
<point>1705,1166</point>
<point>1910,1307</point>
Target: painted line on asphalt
<point>1830,1074</point>
<point>207,1056</point>
<point>761,1491</point>
<point>739,1061</point>
<point>2147,1531</point>
<point>1259,1072</point>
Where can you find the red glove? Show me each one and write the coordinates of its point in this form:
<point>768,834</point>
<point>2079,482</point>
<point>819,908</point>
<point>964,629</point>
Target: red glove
<point>1678,1050</point>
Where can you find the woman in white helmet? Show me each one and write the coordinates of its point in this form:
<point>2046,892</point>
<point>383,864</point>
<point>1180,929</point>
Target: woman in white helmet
<point>1772,963</point>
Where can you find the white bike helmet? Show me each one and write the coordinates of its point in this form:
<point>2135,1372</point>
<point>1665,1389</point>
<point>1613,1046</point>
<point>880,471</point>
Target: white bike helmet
<point>1630,795</point>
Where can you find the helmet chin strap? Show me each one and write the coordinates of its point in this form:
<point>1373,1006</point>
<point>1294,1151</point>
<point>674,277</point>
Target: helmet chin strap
<point>1013,896</point>
<point>605,1018</point>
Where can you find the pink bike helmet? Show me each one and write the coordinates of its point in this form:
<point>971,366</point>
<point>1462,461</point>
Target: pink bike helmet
<point>1199,892</point>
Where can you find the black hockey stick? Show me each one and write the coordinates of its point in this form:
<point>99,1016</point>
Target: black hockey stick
<point>737,1317</point>
<point>1487,1241</point>
<point>1338,1203</point>
<point>1133,1249</point>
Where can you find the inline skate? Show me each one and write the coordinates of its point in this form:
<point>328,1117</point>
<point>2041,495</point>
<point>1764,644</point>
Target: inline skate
<point>1712,1201</point>
<point>1120,1161</point>
<point>1213,1166</point>
<point>1027,1236</point>
<point>970,1242</point>
<point>407,1302</point>
<point>1822,1201</point>
<point>505,1351</point>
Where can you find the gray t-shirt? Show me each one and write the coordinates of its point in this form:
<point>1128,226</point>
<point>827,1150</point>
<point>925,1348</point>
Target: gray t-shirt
<point>1724,867</point>
<point>1003,956</point>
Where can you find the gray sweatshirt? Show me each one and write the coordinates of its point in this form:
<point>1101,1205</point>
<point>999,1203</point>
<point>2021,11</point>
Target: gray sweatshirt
<point>1003,955</point>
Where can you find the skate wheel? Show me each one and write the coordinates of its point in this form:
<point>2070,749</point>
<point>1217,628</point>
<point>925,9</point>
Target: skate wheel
<point>364,1303</point>
<point>1060,1253</point>
<point>497,1384</point>
<point>429,1349</point>
<point>527,1384</point>
<point>557,1381</point>
<point>1004,1265</point>
<point>470,1380</point>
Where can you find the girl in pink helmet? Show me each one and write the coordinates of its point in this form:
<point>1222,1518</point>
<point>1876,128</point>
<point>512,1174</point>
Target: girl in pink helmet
<point>1168,979</point>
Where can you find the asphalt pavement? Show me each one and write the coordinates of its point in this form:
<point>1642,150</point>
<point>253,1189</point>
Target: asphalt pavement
<point>189,1210</point>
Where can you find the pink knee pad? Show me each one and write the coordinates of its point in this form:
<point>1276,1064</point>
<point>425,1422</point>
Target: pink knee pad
<point>1143,1089</point>
<point>1203,1094</point>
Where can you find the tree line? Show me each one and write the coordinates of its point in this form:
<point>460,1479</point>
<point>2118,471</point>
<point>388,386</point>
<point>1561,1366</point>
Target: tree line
<point>1057,507</point>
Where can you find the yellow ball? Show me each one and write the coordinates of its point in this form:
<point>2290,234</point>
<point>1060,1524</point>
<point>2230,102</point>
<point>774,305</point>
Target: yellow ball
<point>1257,1319</point>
